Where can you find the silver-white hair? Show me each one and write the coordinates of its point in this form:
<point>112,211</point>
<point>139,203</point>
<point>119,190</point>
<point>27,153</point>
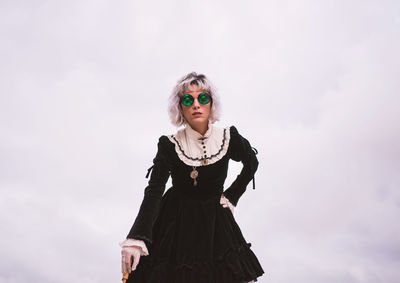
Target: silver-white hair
<point>174,105</point>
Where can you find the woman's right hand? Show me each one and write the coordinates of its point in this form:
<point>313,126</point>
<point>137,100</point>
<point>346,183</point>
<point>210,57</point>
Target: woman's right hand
<point>127,254</point>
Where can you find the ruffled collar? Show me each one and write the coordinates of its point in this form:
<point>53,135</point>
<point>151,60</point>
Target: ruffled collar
<point>195,149</point>
<point>195,135</point>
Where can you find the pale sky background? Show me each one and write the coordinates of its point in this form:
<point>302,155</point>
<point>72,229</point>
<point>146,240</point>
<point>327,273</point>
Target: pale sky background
<point>313,85</point>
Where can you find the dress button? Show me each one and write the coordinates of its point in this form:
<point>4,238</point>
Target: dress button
<point>204,151</point>
<point>204,146</point>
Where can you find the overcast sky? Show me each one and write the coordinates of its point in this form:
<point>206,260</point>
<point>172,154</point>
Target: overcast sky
<point>313,85</point>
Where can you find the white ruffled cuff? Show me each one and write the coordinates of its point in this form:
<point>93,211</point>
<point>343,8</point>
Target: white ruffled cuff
<point>136,243</point>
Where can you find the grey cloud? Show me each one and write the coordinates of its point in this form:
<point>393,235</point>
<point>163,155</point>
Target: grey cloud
<point>313,85</point>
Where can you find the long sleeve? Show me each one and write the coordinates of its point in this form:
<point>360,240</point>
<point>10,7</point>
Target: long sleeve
<point>143,225</point>
<point>241,150</point>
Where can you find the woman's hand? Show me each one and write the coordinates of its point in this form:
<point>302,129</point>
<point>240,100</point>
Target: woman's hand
<point>127,254</point>
<point>226,203</point>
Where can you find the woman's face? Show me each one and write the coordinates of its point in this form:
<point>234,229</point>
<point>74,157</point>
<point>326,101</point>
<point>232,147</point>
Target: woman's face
<point>196,114</point>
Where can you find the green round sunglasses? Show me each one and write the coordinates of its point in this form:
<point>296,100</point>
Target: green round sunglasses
<point>203,98</point>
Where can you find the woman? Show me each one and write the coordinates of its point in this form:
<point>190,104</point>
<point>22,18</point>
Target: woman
<point>189,234</point>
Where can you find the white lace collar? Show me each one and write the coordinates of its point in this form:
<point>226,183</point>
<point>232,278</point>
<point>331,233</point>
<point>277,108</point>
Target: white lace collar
<point>192,147</point>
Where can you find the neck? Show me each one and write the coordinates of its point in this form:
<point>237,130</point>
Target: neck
<point>200,128</point>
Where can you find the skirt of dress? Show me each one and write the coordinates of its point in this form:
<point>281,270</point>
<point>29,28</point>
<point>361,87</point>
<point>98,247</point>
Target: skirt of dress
<point>196,240</point>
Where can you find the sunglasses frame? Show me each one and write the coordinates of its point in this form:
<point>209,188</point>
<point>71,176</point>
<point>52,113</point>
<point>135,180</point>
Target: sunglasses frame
<point>192,98</point>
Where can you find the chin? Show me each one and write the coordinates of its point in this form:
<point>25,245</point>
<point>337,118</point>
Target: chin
<point>199,121</point>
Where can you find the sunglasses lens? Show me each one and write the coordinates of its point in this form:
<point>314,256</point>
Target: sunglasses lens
<point>204,98</point>
<point>187,100</point>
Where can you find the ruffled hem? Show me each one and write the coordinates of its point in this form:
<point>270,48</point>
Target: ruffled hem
<point>196,241</point>
<point>235,266</point>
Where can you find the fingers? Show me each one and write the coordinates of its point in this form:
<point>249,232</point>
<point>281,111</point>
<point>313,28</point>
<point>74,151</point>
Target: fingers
<point>126,261</point>
<point>123,266</point>
<point>127,254</point>
<point>123,270</point>
<point>128,264</point>
<point>136,259</point>
<point>223,201</point>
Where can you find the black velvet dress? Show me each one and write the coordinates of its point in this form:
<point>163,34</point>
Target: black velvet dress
<point>190,237</point>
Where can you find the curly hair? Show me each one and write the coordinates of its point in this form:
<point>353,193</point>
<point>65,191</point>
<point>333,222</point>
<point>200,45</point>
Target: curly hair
<point>174,106</point>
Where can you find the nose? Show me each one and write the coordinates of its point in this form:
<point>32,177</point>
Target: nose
<point>196,104</point>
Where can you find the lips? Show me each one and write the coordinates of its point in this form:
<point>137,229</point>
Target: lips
<point>196,113</point>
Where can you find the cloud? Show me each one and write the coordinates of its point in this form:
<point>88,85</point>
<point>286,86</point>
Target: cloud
<point>313,86</point>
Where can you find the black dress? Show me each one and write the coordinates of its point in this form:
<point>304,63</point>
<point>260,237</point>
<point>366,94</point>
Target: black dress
<point>190,237</point>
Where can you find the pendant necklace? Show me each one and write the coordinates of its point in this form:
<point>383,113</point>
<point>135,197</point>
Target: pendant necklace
<point>194,175</point>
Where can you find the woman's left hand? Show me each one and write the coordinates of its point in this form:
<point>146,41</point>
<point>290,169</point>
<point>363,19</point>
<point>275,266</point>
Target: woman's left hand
<point>226,203</point>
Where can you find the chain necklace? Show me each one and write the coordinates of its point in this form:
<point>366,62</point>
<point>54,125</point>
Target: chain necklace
<point>194,173</point>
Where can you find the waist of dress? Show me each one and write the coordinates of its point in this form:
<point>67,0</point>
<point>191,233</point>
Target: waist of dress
<point>197,192</point>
